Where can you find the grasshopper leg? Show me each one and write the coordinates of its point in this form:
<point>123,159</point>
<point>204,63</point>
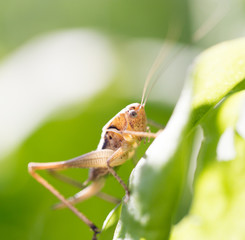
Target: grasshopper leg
<point>117,155</point>
<point>135,133</point>
<point>124,150</point>
<point>68,180</point>
<point>36,166</point>
<point>143,134</point>
<point>84,194</point>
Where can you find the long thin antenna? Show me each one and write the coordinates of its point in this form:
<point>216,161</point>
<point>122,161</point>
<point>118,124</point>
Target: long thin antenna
<point>211,22</point>
<point>153,68</point>
<point>162,69</point>
<point>172,34</point>
<point>203,30</point>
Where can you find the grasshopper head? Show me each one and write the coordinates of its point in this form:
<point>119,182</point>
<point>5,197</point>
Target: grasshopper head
<point>136,117</point>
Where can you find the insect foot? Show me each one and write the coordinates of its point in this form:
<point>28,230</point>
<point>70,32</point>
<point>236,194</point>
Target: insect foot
<point>127,195</point>
<point>96,231</point>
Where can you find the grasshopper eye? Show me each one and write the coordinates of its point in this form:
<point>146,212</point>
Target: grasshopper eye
<point>132,113</point>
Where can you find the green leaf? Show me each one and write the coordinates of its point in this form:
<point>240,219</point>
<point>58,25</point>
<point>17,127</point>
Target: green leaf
<point>217,210</point>
<point>110,223</point>
<point>218,72</point>
<point>159,178</point>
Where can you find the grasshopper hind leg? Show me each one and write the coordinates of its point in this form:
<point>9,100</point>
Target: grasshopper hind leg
<point>79,185</point>
<point>68,180</point>
<point>84,194</point>
<point>32,167</point>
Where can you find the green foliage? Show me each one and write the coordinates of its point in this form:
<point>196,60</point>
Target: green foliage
<point>212,97</point>
<point>25,210</point>
<point>160,191</point>
<point>161,205</point>
<point>21,21</point>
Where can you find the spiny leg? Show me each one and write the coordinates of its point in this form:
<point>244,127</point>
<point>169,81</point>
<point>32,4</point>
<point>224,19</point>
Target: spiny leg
<point>121,151</point>
<point>143,134</point>
<point>115,175</point>
<point>84,194</point>
<point>68,180</point>
<point>35,166</point>
<point>117,154</point>
<point>135,133</point>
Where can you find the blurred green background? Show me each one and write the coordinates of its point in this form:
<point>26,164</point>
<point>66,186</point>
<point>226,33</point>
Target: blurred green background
<point>130,33</point>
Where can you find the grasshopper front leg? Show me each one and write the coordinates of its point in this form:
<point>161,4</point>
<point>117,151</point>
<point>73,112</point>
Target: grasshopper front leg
<point>123,153</point>
<point>117,156</point>
<point>138,134</point>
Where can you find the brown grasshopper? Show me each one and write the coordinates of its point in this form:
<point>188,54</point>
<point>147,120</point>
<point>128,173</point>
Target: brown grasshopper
<point>120,137</point>
<point>119,140</point>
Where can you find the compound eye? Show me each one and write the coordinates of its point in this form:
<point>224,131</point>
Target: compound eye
<point>133,113</point>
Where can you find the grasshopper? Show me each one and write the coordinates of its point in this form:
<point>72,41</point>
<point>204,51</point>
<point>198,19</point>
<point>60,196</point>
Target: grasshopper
<point>119,140</point>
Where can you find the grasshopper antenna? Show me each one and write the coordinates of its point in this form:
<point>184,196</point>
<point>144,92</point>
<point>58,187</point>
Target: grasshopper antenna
<point>173,33</point>
<point>200,33</point>
<point>163,68</point>
<point>213,20</point>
